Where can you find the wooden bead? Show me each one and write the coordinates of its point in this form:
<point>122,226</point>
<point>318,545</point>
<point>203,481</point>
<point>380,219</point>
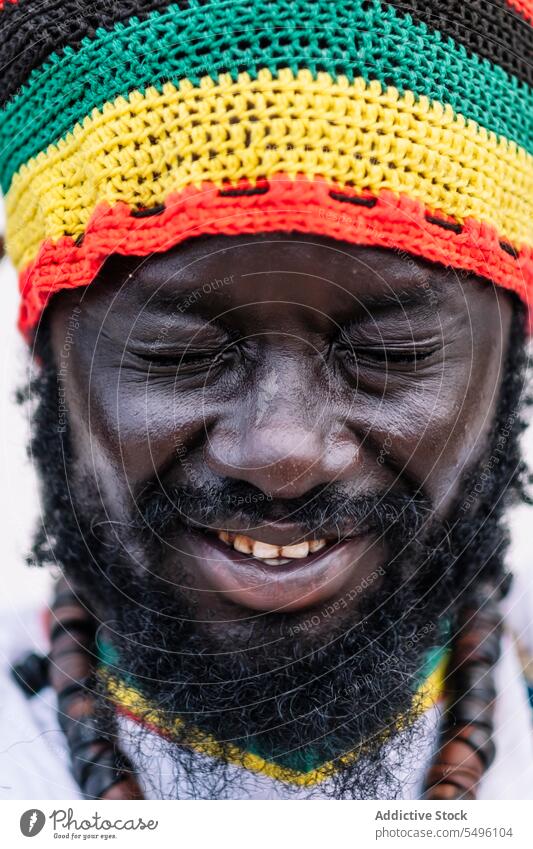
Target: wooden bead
<point>99,768</point>
<point>466,746</point>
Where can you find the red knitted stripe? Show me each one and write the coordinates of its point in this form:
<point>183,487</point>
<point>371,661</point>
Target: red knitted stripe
<point>297,205</point>
<point>4,3</point>
<point>139,720</point>
<point>525,7</point>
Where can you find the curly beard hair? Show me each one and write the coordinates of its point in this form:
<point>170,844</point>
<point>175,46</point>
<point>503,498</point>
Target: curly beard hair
<point>291,692</point>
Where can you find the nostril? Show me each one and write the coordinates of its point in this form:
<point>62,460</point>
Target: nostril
<point>278,462</point>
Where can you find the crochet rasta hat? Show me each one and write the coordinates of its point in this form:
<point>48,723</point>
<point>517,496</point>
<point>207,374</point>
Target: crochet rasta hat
<point>128,126</point>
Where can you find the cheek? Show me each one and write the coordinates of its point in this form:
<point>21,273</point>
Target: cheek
<point>430,429</point>
<point>451,426</point>
<point>129,430</point>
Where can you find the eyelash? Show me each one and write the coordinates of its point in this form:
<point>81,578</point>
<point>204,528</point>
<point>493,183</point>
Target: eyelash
<point>383,355</point>
<point>185,360</point>
<point>373,355</point>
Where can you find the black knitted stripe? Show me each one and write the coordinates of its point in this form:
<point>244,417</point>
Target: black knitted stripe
<point>32,30</point>
<point>489,28</point>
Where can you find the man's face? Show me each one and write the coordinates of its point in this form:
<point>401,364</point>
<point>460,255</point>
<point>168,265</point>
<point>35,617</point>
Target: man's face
<point>320,407</point>
<point>278,377</point>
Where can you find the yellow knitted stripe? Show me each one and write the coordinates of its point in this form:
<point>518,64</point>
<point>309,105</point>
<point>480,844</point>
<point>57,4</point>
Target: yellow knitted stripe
<point>140,149</point>
<point>133,702</point>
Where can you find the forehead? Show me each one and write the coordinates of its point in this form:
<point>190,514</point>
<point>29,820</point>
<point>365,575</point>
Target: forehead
<point>207,275</point>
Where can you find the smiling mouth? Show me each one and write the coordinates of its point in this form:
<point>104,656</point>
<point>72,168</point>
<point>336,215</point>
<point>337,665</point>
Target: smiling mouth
<point>272,555</point>
<point>286,577</point>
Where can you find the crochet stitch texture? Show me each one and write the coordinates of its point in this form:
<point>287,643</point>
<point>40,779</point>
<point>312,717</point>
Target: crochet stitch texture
<point>129,127</point>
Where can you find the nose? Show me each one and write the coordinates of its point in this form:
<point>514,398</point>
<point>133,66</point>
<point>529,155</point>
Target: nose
<point>282,440</point>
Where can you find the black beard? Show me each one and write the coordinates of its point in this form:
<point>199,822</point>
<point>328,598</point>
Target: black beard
<point>290,690</point>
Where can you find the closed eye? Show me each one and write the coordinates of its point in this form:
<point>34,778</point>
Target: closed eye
<point>391,354</point>
<point>387,356</point>
<point>185,361</point>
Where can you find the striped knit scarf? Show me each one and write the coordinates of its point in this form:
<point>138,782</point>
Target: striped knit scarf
<point>300,767</point>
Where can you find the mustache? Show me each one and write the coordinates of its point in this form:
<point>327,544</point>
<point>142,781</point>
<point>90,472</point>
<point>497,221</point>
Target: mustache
<point>327,511</point>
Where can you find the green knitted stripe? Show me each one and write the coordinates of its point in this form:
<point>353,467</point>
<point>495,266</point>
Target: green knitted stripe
<point>305,760</point>
<point>354,39</point>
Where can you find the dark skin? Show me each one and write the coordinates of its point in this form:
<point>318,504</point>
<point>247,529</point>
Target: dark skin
<point>309,363</point>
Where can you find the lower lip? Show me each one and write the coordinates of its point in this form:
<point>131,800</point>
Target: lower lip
<point>292,586</point>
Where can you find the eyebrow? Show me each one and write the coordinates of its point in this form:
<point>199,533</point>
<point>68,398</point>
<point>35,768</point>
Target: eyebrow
<point>181,302</point>
<point>176,304</point>
<point>405,298</point>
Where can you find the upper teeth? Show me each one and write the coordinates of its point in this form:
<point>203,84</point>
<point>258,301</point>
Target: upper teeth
<point>265,551</point>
